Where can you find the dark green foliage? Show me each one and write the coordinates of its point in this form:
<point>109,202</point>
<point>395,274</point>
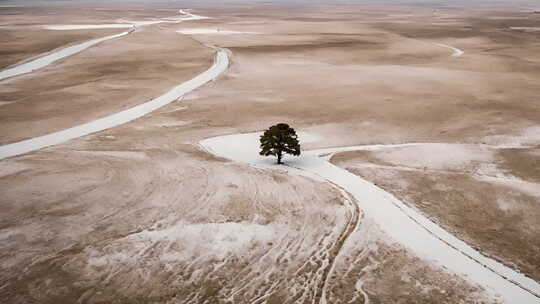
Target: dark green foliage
<point>279,139</point>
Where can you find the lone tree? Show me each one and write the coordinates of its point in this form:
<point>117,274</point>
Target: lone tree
<point>279,139</point>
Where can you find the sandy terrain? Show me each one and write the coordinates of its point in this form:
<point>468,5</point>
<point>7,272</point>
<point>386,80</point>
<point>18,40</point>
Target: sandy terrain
<point>140,213</point>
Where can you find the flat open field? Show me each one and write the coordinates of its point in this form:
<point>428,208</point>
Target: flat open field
<point>107,78</point>
<point>141,213</point>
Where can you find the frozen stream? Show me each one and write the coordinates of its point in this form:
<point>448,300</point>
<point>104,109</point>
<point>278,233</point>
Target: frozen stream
<point>401,223</point>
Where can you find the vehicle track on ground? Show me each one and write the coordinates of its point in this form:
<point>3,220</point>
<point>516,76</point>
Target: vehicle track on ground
<point>351,226</point>
<point>402,223</point>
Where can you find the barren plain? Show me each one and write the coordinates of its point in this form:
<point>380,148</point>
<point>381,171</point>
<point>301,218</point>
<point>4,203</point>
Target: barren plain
<point>140,213</point>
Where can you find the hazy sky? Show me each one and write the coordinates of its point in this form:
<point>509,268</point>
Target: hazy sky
<point>427,3</point>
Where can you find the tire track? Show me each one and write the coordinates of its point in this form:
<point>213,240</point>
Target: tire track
<point>351,226</point>
<point>406,226</point>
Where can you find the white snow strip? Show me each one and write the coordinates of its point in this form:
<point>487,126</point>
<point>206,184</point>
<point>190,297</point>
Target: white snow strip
<point>400,222</point>
<point>191,16</point>
<point>457,52</point>
<point>526,28</point>
<point>185,16</point>
<point>203,31</point>
<point>220,65</point>
<point>65,27</point>
<point>48,59</point>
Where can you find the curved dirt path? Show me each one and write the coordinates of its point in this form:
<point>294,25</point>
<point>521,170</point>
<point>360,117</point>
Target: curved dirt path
<point>46,60</point>
<point>400,222</point>
<point>221,62</point>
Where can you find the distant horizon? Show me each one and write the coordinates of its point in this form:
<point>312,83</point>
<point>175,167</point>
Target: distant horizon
<point>293,2</point>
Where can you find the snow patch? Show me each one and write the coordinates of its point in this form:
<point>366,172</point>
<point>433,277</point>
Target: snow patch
<point>246,147</point>
<point>48,59</point>
<point>526,28</point>
<point>184,242</point>
<point>202,31</point>
<point>172,124</point>
<point>216,239</point>
<point>119,154</point>
<point>527,137</point>
<point>185,16</point>
<point>530,188</point>
<point>457,52</point>
<point>9,168</point>
<point>437,156</point>
<point>67,27</point>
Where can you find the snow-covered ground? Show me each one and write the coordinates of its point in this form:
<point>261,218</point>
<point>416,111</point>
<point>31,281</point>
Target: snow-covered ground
<point>220,65</point>
<point>199,31</point>
<point>64,27</point>
<point>457,52</point>
<point>403,224</point>
<point>53,57</point>
<point>185,16</point>
<point>526,28</point>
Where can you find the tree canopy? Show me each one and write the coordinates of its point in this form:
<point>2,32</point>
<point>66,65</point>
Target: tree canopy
<point>279,139</point>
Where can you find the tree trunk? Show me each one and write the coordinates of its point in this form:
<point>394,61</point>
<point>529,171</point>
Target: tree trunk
<point>279,158</point>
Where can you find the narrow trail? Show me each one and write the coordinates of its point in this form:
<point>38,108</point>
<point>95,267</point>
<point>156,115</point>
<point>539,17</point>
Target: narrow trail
<point>46,60</point>
<point>402,223</point>
<point>221,62</point>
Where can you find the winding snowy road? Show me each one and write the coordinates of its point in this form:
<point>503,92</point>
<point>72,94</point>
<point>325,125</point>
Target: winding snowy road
<point>46,60</point>
<point>403,224</point>
<point>184,16</point>
<point>221,63</point>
